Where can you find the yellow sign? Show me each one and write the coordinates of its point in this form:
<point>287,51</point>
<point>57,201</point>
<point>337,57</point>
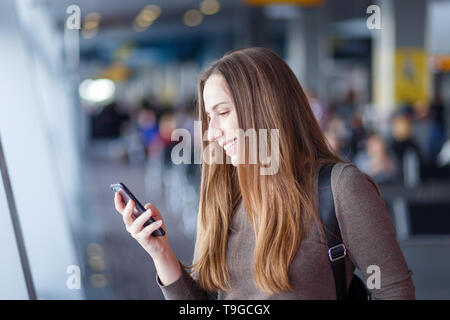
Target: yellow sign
<point>295,2</point>
<point>116,72</point>
<point>412,76</point>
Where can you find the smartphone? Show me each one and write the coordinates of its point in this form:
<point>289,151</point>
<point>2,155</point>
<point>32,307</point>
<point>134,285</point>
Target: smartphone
<point>139,209</point>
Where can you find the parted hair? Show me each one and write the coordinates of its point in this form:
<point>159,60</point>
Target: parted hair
<point>280,207</point>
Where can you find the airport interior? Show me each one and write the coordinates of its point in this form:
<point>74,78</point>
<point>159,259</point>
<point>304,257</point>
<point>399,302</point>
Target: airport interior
<point>91,91</point>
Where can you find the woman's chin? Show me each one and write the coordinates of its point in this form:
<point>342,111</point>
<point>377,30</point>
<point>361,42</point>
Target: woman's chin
<point>234,161</point>
<point>233,156</point>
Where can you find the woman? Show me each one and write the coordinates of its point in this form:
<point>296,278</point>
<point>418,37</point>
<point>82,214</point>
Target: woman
<point>259,236</point>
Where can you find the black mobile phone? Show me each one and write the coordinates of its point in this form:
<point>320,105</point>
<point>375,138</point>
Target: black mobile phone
<point>139,209</point>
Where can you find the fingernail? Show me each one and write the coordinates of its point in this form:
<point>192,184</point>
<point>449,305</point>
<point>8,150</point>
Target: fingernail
<point>159,222</point>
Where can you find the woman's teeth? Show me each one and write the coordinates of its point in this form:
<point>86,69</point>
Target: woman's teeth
<point>229,145</point>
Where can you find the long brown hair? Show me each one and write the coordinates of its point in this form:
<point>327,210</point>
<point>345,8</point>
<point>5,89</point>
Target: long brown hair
<point>281,208</point>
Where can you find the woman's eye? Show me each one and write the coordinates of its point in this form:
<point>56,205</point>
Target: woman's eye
<point>223,113</point>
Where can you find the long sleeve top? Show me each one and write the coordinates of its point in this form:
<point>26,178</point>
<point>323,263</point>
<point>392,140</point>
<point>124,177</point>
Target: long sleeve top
<point>367,233</point>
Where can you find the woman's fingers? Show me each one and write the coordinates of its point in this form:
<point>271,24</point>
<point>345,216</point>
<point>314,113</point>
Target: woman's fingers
<point>155,212</point>
<point>127,214</point>
<point>137,225</point>
<point>118,202</point>
<point>148,230</point>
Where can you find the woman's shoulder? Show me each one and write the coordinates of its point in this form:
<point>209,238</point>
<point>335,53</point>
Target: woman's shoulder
<point>348,167</point>
<point>357,199</point>
<point>347,178</point>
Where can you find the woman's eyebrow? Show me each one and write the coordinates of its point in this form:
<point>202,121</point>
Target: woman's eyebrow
<point>216,105</point>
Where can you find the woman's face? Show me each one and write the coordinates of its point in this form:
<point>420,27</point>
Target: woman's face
<point>221,111</point>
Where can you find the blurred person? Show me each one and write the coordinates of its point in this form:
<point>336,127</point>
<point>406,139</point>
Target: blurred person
<point>407,153</point>
<point>260,236</point>
<point>358,134</point>
<point>337,135</point>
<point>348,107</point>
<point>134,151</point>
<point>189,122</point>
<point>167,124</point>
<point>376,160</point>
<point>333,140</point>
<point>443,158</point>
<point>107,123</point>
<point>147,127</point>
<point>317,108</point>
<point>437,135</point>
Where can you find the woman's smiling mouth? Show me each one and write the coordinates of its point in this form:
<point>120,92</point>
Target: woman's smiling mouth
<point>228,145</point>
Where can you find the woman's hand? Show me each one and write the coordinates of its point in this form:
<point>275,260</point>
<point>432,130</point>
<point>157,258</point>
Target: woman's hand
<point>167,265</point>
<point>155,246</point>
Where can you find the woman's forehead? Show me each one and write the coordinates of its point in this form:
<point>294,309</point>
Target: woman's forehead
<point>215,83</point>
<point>215,91</point>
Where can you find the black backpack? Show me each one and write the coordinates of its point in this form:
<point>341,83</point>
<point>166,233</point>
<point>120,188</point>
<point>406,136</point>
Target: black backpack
<point>336,248</point>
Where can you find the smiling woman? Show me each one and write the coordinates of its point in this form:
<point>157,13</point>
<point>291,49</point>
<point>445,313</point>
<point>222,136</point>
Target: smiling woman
<point>260,236</point>
<point>261,93</point>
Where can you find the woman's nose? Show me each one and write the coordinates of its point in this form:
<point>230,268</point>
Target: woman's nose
<point>213,133</point>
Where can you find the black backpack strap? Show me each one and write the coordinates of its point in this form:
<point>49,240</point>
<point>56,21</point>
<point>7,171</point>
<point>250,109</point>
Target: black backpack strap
<point>336,249</point>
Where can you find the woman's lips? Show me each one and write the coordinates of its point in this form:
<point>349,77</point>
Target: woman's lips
<point>230,146</point>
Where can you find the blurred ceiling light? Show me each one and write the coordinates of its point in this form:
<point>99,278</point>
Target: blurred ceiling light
<point>142,23</point>
<point>192,18</point>
<point>139,27</point>
<point>209,7</point>
<point>94,249</point>
<point>97,91</point>
<point>92,16</point>
<point>146,17</point>
<point>97,263</point>
<point>98,280</point>
<point>90,25</point>
<point>151,11</point>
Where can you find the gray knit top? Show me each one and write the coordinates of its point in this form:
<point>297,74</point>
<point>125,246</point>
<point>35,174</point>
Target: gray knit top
<point>367,233</point>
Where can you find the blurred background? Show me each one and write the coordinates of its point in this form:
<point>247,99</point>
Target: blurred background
<point>90,92</point>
